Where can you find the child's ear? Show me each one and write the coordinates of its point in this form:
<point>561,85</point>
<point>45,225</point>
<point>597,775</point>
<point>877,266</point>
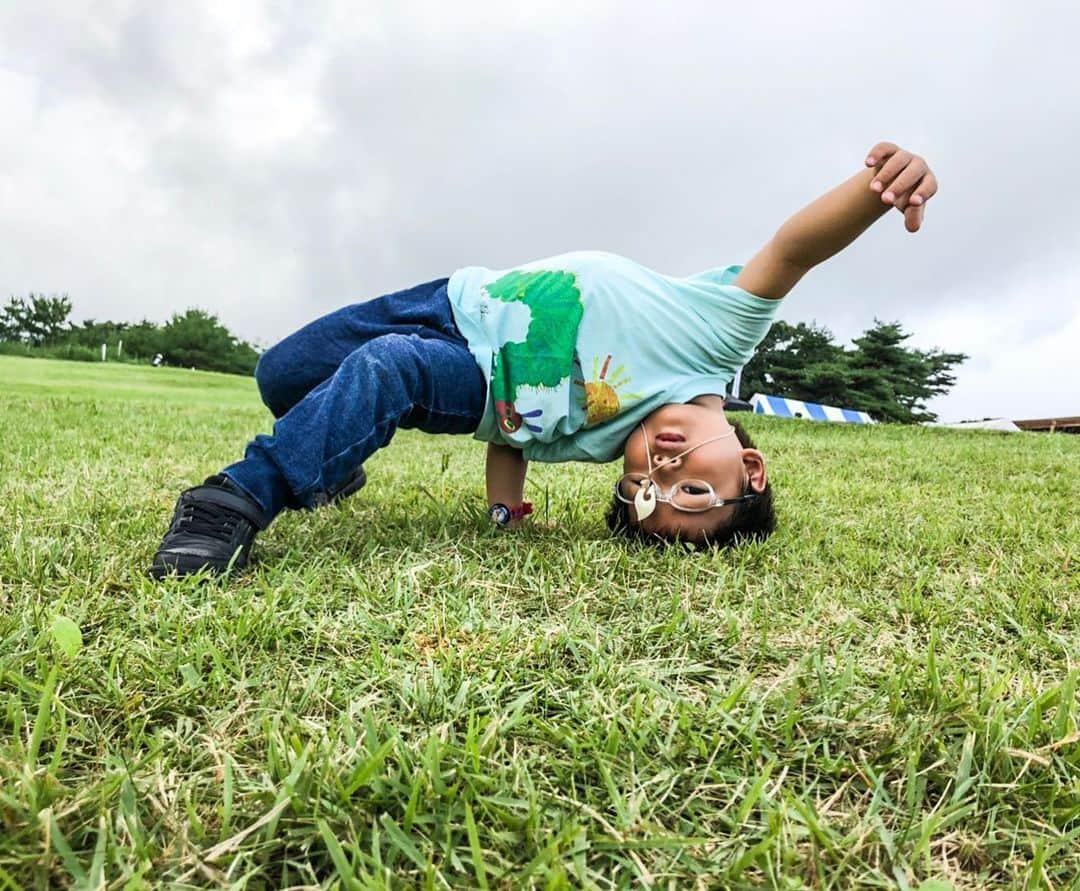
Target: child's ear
<point>754,465</point>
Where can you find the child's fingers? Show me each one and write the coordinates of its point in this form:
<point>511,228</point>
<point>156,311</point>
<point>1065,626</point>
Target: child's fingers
<point>913,217</point>
<point>906,180</point>
<point>881,153</point>
<point>926,190</point>
<point>890,171</point>
<point>914,212</point>
<point>903,180</point>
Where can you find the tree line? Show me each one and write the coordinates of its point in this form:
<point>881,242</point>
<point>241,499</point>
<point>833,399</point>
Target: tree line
<point>40,325</point>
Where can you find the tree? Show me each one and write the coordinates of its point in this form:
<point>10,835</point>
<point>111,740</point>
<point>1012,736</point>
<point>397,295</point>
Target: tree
<point>196,338</point>
<point>91,333</point>
<point>11,320</point>
<point>892,382</point>
<point>39,322</point>
<point>141,340</point>
<point>800,362</point>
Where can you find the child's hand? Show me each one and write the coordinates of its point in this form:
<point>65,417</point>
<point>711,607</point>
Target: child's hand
<point>904,181</point>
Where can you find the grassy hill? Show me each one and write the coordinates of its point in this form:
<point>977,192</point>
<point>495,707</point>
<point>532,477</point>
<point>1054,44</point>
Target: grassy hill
<point>883,694</point>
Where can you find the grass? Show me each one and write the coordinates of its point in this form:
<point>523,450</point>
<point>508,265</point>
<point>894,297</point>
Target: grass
<point>882,695</point>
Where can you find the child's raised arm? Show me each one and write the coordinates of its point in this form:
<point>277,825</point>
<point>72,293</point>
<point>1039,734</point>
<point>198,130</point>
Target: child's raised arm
<point>896,178</point>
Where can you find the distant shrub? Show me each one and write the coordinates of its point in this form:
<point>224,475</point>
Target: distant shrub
<point>197,339</point>
<point>71,351</point>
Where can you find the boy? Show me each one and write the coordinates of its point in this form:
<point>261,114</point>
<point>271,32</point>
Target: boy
<point>580,357</point>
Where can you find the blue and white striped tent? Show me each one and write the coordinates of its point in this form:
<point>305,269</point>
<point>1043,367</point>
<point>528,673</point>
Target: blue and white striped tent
<point>794,408</point>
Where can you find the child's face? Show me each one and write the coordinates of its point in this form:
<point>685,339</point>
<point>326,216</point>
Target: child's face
<point>724,464</point>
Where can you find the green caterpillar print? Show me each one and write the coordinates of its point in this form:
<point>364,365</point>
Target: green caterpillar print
<point>546,357</point>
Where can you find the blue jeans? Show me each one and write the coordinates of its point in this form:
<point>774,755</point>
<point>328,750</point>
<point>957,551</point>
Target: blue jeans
<point>342,385</point>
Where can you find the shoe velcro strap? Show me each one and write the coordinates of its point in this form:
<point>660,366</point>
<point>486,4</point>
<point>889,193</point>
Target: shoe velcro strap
<point>238,503</point>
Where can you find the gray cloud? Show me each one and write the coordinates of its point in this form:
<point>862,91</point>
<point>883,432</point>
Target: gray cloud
<point>272,160</point>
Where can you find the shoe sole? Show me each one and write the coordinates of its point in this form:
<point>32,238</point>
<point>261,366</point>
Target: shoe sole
<point>182,565</point>
<point>353,485</point>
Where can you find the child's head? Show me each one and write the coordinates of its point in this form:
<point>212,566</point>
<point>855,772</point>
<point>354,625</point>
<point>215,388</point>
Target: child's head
<point>678,448</point>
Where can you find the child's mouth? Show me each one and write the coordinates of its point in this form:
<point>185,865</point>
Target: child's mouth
<point>670,438</point>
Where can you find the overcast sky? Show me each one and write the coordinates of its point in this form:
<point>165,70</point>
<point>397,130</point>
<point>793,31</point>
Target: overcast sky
<point>270,161</point>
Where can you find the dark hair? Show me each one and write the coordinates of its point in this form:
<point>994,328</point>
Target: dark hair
<point>750,521</point>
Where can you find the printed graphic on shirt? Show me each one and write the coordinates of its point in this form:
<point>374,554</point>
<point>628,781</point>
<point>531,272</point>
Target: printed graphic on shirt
<point>602,397</point>
<point>545,358</point>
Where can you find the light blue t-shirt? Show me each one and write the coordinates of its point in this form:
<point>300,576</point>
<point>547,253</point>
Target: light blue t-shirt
<point>578,349</point>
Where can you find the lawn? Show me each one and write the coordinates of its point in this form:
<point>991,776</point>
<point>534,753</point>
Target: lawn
<point>882,695</point>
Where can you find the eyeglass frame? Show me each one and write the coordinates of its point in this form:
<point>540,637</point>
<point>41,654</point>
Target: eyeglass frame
<point>666,497</point>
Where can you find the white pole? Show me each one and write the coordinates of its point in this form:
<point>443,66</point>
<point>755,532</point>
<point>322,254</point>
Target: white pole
<point>103,352</point>
<point>119,348</point>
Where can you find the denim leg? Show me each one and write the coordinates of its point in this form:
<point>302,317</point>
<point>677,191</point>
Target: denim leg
<point>291,369</point>
<point>392,381</point>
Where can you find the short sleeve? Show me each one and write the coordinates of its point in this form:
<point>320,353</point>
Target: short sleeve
<point>721,275</point>
<point>737,319</point>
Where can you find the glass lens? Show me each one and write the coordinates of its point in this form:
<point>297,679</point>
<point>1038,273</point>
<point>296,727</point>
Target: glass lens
<point>693,495</point>
<point>630,484</point>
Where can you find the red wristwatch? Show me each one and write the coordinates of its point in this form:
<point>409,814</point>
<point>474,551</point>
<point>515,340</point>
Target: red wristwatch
<point>502,515</point>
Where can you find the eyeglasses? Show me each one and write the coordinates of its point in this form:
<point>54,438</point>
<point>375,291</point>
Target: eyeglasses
<point>689,495</point>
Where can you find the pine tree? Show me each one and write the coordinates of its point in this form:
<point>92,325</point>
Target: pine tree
<point>892,382</point>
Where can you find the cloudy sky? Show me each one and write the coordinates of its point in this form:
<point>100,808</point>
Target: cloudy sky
<point>270,160</point>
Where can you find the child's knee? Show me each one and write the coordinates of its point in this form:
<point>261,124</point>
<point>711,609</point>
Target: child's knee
<point>270,377</point>
<point>392,359</point>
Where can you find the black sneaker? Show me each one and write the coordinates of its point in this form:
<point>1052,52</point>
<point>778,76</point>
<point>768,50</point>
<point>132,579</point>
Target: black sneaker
<point>212,529</point>
<point>353,484</point>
